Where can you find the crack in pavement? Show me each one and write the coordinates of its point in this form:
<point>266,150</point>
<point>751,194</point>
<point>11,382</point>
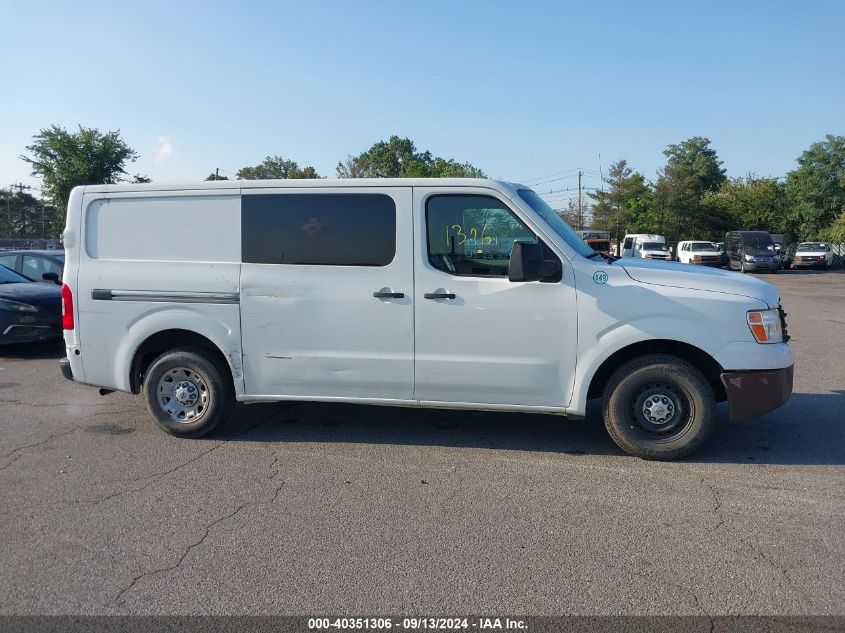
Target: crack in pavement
<point>5,466</point>
<point>154,477</point>
<point>54,404</point>
<point>695,599</point>
<point>782,570</point>
<point>52,437</point>
<point>717,504</point>
<point>272,473</point>
<point>151,478</point>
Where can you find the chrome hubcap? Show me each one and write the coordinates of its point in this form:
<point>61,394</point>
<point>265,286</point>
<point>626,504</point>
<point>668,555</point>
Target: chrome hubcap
<point>182,394</point>
<point>185,393</point>
<point>658,409</point>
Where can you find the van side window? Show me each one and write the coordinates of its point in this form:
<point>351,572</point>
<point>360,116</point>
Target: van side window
<point>328,229</point>
<point>472,235</point>
<point>629,243</point>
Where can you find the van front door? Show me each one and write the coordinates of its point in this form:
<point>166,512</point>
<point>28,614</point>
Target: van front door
<point>479,337</point>
<point>327,293</point>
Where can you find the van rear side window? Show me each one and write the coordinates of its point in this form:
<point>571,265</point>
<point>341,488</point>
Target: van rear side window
<point>329,229</point>
<point>164,228</point>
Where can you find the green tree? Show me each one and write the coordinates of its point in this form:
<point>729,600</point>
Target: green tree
<point>692,170</point>
<point>750,203</point>
<point>22,215</point>
<point>399,158</point>
<point>836,232</point>
<point>624,205</point>
<point>276,167</point>
<point>817,187</point>
<point>64,160</point>
<point>216,176</point>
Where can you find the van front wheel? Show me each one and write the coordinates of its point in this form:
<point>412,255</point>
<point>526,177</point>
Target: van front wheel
<point>658,407</point>
<point>188,392</point>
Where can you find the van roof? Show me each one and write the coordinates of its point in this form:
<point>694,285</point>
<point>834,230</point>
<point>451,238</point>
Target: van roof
<point>499,185</point>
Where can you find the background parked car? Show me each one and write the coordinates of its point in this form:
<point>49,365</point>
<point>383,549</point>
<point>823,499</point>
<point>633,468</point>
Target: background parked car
<point>721,247</point>
<point>29,311</point>
<point>700,253</point>
<point>813,255</point>
<point>35,264</point>
<point>751,251</point>
<point>780,249</point>
<point>646,246</point>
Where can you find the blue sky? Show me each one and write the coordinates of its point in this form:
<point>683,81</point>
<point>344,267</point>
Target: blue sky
<point>519,89</point>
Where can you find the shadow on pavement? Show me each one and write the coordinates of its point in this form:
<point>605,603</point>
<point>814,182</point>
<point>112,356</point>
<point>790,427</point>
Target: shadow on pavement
<point>807,430</point>
<point>31,351</point>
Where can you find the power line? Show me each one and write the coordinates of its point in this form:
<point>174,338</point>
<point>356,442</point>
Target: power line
<point>557,173</point>
<point>595,176</point>
<point>565,173</point>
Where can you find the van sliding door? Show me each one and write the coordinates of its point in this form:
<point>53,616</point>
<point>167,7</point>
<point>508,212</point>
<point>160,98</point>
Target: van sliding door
<point>327,292</point>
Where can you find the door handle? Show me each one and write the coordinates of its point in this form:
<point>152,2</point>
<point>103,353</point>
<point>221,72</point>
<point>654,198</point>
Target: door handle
<point>381,294</point>
<point>439,295</point>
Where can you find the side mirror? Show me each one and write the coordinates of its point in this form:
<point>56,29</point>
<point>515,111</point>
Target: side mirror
<point>54,277</point>
<point>528,263</point>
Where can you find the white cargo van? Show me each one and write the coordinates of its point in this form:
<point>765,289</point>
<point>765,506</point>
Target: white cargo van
<point>646,246</point>
<point>445,293</point>
<point>699,253</point>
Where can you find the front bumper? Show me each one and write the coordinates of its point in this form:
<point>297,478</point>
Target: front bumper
<point>28,328</point>
<point>799,262</point>
<point>754,392</point>
<point>755,266</point>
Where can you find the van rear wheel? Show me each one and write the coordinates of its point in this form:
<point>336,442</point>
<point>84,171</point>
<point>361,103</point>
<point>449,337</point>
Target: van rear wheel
<point>188,392</point>
<point>658,407</point>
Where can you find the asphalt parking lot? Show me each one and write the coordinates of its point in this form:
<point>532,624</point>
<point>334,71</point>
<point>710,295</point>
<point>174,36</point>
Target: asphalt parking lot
<point>316,508</point>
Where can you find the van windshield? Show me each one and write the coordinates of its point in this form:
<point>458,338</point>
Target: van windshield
<point>704,246</point>
<point>555,222</point>
<point>814,248</point>
<point>654,246</point>
<point>760,244</point>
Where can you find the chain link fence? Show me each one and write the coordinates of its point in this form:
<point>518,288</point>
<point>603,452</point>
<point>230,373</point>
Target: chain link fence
<point>29,244</point>
<point>838,251</point>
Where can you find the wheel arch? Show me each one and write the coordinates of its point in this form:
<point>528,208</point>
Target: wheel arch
<point>166,340</point>
<point>697,357</point>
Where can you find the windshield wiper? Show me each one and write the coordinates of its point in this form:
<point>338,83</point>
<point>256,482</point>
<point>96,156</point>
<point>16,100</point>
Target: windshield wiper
<point>610,258</point>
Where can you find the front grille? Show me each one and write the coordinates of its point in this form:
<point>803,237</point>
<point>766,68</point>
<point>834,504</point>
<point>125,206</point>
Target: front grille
<point>782,314</point>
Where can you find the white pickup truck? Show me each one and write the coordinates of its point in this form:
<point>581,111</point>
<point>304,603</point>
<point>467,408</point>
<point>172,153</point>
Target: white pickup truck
<point>463,294</point>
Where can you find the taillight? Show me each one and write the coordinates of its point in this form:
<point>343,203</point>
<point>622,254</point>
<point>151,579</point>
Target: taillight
<point>67,307</point>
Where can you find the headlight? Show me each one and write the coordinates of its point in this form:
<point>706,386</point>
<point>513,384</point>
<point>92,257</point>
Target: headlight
<point>14,306</point>
<point>765,326</point>
<point>749,258</point>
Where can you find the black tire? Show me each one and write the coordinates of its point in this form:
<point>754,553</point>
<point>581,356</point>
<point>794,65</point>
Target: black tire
<point>206,405</point>
<point>640,383</point>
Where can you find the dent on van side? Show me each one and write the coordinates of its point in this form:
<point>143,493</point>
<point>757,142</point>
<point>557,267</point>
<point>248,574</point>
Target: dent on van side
<point>453,293</point>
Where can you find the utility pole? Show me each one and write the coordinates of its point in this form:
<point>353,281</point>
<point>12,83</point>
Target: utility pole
<point>9,212</point>
<point>580,212</point>
<point>216,173</point>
